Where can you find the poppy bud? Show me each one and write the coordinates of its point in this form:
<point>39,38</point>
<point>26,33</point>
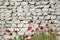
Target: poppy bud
<point>41,27</point>
<point>39,23</point>
<point>58,34</point>
<point>29,28</point>
<point>32,30</point>
<point>16,31</point>
<point>50,29</point>
<point>7,30</point>
<point>46,24</point>
<point>30,21</point>
<point>26,36</point>
<point>36,29</point>
<point>10,34</point>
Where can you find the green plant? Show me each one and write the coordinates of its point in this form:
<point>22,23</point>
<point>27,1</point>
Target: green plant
<point>43,36</point>
<point>19,38</point>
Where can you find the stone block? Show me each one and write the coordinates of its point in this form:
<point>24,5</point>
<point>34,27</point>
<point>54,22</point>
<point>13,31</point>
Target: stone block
<point>51,9</point>
<point>53,17</point>
<point>57,13</point>
<point>19,0</point>
<point>56,21</point>
<point>2,7</point>
<point>15,0</point>
<point>9,22</point>
<point>7,15</point>
<point>24,3</point>
<point>12,3</point>
<point>19,9</point>
<point>1,3</point>
<point>34,13</point>
<point>45,13</point>
<point>28,14</point>
<point>52,1</point>
<point>46,6</point>
<point>37,3</point>
<point>32,3</point>
<point>21,18</point>
<point>48,17</point>
<point>44,2</point>
<point>6,3</point>
<point>45,9</point>
<point>40,13</point>
<point>58,17</point>
<point>17,3</point>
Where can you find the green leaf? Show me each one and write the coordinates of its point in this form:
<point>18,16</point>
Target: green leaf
<point>20,37</point>
<point>14,38</point>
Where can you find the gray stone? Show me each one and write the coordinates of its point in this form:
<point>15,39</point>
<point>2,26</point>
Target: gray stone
<point>17,3</point>
<point>6,3</point>
<point>47,17</point>
<point>53,17</point>
<point>58,17</point>
<point>57,13</point>
<point>45,13</point>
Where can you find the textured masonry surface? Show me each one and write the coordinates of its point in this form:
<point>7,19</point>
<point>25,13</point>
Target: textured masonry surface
<point>15,14</point>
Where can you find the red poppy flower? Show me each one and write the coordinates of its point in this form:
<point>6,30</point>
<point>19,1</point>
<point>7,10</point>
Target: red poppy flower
<point>26,36</point>
<point>50,30</point>
<point>39,23</point>
<point>46,24</point>
<point>41,27</point>
<point>36,29</point>
<point>32,30</point>
<point>7,30</point>
<point>16,31</point>
<point>31,21</point>
<point>29,28</point>
<point>58,34</point>
<point>10,34</point>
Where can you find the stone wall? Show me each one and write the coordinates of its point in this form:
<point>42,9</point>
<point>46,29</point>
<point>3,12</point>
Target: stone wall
<point>17,15</point>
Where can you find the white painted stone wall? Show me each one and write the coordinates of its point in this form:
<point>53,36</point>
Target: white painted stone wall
<point>15,14</point>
